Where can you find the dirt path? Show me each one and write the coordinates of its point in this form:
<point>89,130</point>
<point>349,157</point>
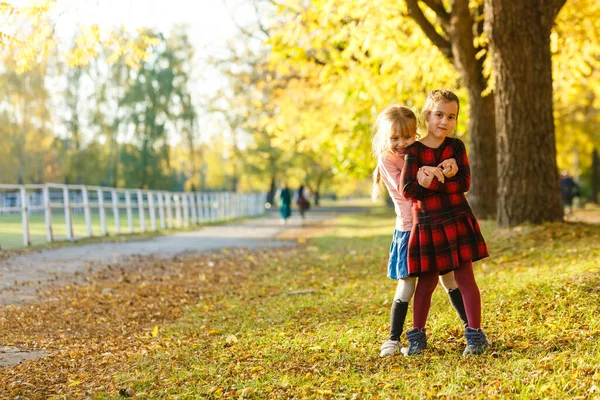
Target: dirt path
<point>590,215</point>
<point>22,277</point>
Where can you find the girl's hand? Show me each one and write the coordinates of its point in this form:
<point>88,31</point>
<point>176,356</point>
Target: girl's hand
<point>449,167</point>
<point>437,172</point>
<point>424,177</point>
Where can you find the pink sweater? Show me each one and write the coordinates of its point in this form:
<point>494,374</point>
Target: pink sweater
<point>390,166</point>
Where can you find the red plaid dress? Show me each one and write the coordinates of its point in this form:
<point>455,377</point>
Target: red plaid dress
<point>445,232</point>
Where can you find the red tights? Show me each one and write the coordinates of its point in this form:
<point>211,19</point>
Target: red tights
<point>465,280</point>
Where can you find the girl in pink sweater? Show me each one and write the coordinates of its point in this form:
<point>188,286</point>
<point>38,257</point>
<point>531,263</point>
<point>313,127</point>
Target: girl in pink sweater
<point>396,129</point>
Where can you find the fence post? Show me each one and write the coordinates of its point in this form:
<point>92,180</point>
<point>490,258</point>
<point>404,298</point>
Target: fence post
<point>200,206</point>
<point>177,202</point>
<point>222,206</point>
<point>228,205</point>
<point>213,206</point>
<point>169,210</point>
<point>48,213</point>
<point>140,199</point>
<point>161,210</point>
<point>86,210</point>
<point>186,210</point>
<point>151,210</point>
<point>115,206</point>
<point>209,206</point>
<point>25,216</point>
<point>128,209</point>
<point>192,197</point>
<point>101,211</point>
<point>67,205</point>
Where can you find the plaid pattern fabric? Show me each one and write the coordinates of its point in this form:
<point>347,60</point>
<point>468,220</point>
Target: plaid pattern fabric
<point>445,233</point>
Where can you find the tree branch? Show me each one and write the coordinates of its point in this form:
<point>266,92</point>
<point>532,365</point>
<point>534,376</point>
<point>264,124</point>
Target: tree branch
<point>438,7</point>
<point>415,12</point>
<point>261,26</point>
<point>556,7</point>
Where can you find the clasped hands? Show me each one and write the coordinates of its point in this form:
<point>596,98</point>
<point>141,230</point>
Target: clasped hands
<point>446,169</point>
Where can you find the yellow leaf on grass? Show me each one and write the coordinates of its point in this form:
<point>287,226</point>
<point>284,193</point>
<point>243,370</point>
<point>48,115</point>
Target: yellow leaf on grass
<point>231,339</point>
<point>155,331</point>
<point>75,383</point>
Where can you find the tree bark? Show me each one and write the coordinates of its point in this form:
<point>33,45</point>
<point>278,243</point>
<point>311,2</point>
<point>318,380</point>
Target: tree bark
<point>528,184</point>
<point>482,125</point>
<point>272,191</point>
<point>458,47</point>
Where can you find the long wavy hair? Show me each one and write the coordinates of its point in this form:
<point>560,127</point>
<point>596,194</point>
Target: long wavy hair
<point>394,120</point>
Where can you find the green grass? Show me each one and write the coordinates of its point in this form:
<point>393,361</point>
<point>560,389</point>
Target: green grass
<point>541,307</point>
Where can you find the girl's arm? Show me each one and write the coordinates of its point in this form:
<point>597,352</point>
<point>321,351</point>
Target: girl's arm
<point>390,173</point>
<point>408,178</point>
<point>461,182</point>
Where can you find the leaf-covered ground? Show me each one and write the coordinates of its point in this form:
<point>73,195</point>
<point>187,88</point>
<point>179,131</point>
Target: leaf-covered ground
<point>307,322</point>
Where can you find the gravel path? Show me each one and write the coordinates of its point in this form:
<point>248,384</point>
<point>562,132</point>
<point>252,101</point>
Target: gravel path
<point>23,276</point>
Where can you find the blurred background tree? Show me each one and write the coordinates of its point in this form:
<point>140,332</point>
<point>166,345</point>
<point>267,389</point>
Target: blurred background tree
<point>299,87</point>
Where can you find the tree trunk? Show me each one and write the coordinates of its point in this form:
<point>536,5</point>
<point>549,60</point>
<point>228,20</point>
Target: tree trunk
<point>482,127</point>
<point>519,34</point>
<point>460,29</point>
<point>595,177</point>
<point>272,191</point>
<point>482,157</point>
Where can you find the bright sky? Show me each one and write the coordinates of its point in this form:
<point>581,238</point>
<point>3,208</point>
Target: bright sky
<point>209,20</point>
<point>210,23</point>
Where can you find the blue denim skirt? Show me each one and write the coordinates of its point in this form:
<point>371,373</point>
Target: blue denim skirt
<point>398,261</point>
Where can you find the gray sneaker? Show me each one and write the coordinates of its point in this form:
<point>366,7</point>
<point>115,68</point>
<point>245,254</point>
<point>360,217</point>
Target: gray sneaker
<point>389,348</point>
<point>417,341</point>
<point>477,341</point>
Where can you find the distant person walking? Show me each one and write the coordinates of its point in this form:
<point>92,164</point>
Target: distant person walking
<point>569,189</point>
<point>302,200</point>
<point>285,209</point>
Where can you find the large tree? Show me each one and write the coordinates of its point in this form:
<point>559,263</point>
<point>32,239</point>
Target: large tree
<point>519,33</point>
<point>457,32</point>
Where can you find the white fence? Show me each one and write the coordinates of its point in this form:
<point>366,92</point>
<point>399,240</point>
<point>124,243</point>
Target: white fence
<point>155,209</point>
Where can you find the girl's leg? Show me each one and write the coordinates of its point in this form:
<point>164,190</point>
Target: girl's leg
<point>404,292</point>
<point>470,293</point>
<point>425,287</point>
<point>455,295</point>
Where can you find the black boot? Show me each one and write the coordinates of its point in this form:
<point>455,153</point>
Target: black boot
<point>417,341</point>
<point>457,302</point>
<point>397,317</point>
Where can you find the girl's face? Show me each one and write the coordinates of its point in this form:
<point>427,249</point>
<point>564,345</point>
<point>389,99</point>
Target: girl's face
<point>398,144</point>
<point>442,119</point>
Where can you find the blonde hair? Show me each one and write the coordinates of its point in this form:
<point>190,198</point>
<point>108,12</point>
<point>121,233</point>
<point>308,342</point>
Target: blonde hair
<point>394,120</point>
<point>435,96</point>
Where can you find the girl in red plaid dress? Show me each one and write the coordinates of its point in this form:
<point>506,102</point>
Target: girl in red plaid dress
<point>445,236</point>
<point>397,129</point>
